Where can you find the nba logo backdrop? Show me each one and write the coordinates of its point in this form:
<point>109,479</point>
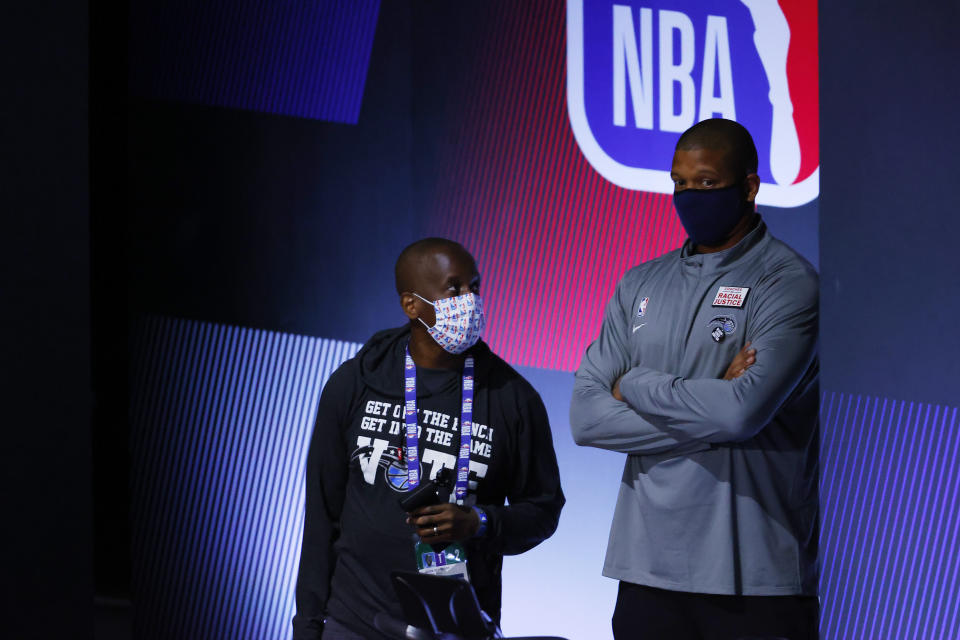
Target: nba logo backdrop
<point>641,72</point>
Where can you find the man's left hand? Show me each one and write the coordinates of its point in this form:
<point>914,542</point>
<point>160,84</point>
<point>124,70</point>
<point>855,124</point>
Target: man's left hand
<point>446,522</point>
<point>616,390</point>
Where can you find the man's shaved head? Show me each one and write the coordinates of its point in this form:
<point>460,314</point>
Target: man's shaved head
<point>419,257</point>
<point>723,135</point>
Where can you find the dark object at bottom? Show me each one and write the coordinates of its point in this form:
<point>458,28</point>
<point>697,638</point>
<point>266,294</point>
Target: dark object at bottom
<point>646,613</point>
<point>441,608</point>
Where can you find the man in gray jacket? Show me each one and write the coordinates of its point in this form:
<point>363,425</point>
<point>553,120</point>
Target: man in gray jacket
<point>705,374</point>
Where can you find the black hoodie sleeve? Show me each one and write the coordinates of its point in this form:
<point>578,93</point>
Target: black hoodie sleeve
<point>534,497</point>
<point>326,477</point>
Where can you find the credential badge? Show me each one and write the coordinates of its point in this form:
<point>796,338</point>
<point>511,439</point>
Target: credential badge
<point>731,297</point>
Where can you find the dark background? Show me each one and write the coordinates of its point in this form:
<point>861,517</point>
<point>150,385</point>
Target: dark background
<point>206,244</point>
<point>47,354</point>
<point>890,281</point>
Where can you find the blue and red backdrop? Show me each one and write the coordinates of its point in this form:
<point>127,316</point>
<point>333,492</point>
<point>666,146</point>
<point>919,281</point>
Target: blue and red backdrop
<point>282,154</point>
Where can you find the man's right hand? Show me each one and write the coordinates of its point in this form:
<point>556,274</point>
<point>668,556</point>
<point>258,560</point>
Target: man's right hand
<point>741,362</point>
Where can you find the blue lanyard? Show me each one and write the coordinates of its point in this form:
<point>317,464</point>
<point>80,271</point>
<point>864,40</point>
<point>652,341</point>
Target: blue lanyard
<point>413,437</point>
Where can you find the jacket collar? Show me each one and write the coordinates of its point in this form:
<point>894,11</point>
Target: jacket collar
<point>710,263</point>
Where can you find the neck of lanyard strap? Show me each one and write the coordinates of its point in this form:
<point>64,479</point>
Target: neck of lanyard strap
<point>413,435</point>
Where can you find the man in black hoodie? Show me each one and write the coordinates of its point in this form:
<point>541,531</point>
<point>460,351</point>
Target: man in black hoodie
<point>355,532</point>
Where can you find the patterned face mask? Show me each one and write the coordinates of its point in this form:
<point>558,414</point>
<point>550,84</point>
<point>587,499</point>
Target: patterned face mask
<point>459,321</point>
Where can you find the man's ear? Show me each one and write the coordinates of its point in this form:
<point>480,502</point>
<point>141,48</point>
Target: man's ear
<point>752,182</point>
<point>408,302</point>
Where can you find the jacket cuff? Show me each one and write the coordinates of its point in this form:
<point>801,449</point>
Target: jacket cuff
<point>484,520</point>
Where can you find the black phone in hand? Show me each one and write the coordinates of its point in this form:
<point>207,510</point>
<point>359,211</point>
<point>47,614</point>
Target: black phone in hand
<point>436,491</point>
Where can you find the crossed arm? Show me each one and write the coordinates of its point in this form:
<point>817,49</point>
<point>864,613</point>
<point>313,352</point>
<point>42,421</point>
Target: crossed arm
<point>633,409</point>
<point>738,366</point>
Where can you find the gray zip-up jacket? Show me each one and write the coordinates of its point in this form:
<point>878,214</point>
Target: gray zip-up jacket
<point>719,490</point>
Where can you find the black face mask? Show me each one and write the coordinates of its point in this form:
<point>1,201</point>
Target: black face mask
<point>709,215</point>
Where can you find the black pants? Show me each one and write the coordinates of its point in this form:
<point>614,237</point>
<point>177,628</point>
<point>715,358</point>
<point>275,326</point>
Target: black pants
<point>645,613</point>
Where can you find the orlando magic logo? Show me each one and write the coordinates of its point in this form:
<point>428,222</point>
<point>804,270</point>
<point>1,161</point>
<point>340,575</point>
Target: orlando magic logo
<point>392,462</point>
<point>640,72</point>
<point>726,324</point>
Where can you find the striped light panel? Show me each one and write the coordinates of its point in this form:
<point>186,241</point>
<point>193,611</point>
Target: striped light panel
<point>306,59</point>
<point>550,234</point>
<point>221,418</point>
<point>220,422</point>
<point>890,523</point>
